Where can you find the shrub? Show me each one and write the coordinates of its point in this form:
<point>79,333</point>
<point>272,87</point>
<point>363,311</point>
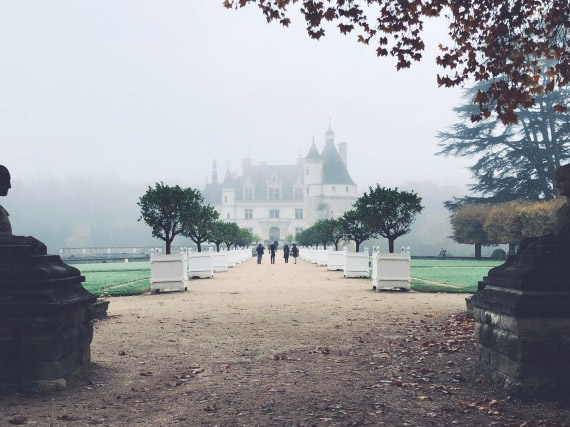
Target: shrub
<point>499,254</point>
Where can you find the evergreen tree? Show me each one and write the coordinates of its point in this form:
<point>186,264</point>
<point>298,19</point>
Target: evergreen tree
<point>515,161</point>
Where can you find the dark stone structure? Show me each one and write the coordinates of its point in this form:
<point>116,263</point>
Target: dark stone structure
<point>45,320</point>
<point>46,323</point>
<point>522,312</point>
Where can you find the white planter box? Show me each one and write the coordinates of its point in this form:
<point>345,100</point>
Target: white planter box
<point>219,261</point>
<point>356,264</point>
<point>200,265</point>
<point>322,258</point>
<point>391,271</point>
<point>231,259</point>
<point>168,272</point>
<point>335,261</point>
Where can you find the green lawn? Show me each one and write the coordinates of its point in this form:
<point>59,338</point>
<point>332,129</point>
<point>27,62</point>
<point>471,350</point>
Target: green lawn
<point>116,279</point>
<point>449,275</point>
<point>457,276</point>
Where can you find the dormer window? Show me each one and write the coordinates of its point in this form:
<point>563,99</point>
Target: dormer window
<point>274,194</point>
<point>248,193</point>
<point>333,188</point>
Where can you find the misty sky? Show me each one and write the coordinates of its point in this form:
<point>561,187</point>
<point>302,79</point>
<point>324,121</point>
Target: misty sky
<point>140,91</point>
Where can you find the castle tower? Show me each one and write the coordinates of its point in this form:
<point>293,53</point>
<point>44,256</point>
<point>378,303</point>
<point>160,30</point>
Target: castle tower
<point>313,166</point>
<point>214,173</point>
<point>329,137</point>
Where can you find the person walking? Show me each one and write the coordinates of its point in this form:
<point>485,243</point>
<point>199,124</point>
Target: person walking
<point>295,252</point>
<point>286,253</point>
<point>259,251</point>
<point>272,253</point>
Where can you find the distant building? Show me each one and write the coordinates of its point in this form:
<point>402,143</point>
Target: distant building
<point>275,200</point>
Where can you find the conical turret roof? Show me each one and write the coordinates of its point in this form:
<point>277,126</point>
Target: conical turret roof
<point>313,153</point>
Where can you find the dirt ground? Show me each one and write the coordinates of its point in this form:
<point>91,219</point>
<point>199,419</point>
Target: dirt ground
<point>282,345</point>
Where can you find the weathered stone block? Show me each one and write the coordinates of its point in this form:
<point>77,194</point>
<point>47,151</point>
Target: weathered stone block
<point>45,321</point>
<point>522,320</point>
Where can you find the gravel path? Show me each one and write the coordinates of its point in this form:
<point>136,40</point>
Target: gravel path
<point>282,344</point>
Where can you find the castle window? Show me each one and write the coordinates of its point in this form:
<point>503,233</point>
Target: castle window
<point>333,188</point>
<point>298,194</point>
<point>307,169</point>
<point>298,213</point>
<point>307,190</point>
<point>299,230</point>
<point>332,214</point>
<point>249,214</point>
<point>248,193</point>
<point>347,189</point>
<point>228,216</point>
<point>225,199</point>
<point>274,213</point>
<point>274,194</point>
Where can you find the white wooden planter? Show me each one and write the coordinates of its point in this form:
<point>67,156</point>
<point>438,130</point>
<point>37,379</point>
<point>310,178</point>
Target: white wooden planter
<point>168,272</point>
<point>390,271</point>
<point>322,258</point>
<point>219,261</point>
<point>356,264</point>
<point>200,265</point>
<point>335,261</point>
<point>231,259</point>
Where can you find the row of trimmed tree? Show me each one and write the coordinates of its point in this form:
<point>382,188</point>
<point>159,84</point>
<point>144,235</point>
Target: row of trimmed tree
<point>176,211</point>
<point>503,223</point>
<point>381,211</point>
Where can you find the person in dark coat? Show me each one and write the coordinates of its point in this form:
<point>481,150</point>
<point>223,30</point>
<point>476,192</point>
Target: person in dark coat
<point>295,252</point>
<point>272,253</point>
<point>259,251</point>
<point>286,253</point>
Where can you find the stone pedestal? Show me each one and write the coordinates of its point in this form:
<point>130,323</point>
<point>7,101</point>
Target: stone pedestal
<point>522,319</point>
<point>45,320</point>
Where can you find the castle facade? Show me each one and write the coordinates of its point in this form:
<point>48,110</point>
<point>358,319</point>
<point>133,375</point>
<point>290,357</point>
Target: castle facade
<point>274,201</point>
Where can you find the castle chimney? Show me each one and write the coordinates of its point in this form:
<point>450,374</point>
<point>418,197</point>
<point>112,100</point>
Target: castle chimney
<point>343,153</point>
<point>214,173</point>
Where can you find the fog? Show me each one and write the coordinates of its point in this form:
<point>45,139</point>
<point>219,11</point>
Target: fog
<point>101,99</point>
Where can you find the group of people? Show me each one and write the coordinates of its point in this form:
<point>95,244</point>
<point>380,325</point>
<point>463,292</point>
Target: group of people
<point>293,251</point>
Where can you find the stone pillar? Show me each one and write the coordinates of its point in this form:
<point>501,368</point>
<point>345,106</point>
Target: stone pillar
<point>522,319</point>
<point>45,320</point>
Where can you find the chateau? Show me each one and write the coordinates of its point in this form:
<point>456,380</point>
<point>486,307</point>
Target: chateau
<point>273,201</point>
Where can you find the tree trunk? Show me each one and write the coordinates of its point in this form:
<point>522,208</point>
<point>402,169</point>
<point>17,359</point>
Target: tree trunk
<point>391,245</point>
<point>512,248</point>
<point>336,246</point>
<point>325,246</point>
<point>199,245</point>
<point>477,250</point>
<point>168,243</point>
<point>357,246</point>
<point>217,247</point>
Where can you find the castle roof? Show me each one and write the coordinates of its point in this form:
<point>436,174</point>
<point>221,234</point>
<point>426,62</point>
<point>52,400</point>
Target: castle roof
<point>334,169</point>
<point>313,153</point>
